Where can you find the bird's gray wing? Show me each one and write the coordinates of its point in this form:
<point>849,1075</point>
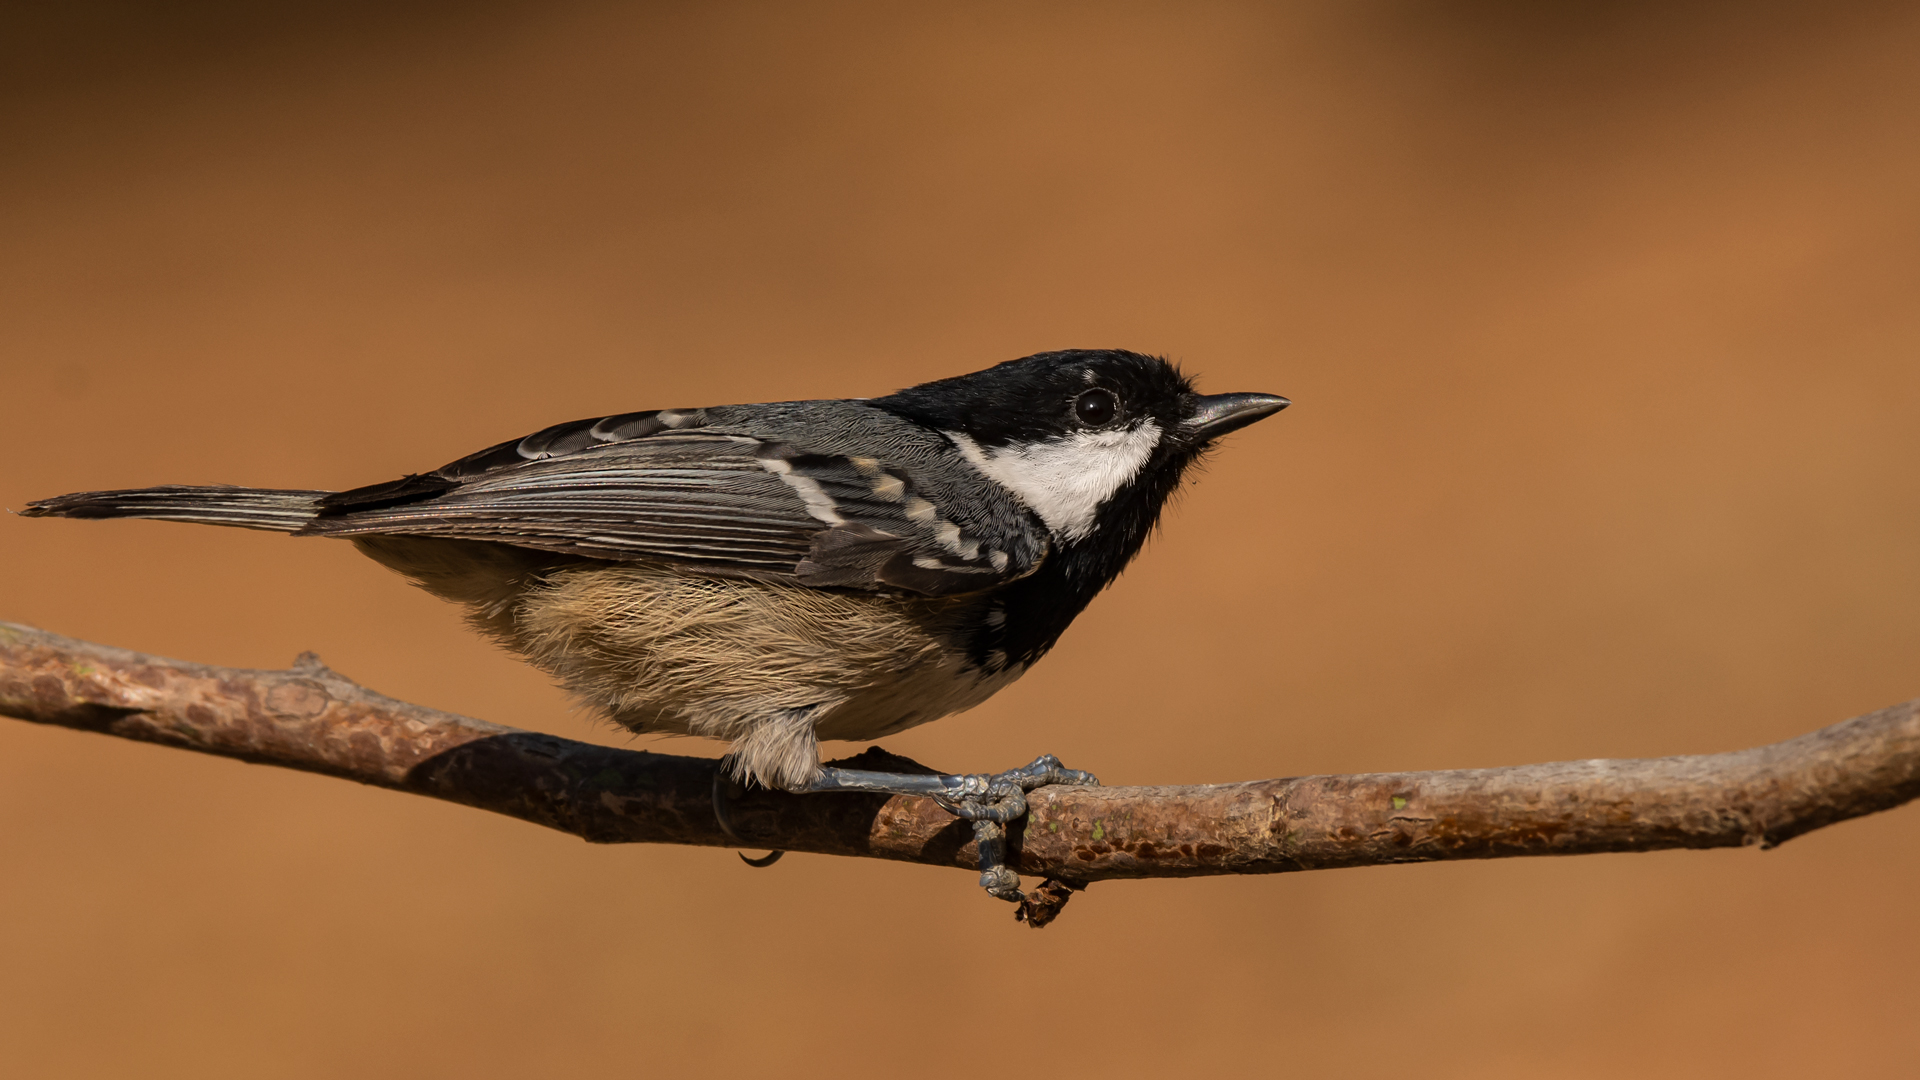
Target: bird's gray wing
<point>671,487</point>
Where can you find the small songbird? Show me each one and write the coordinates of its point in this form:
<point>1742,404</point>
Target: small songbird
<point>778,574</point>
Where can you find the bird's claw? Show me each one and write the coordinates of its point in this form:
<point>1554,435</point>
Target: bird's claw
<point>724,792</point>
<point>990,803</point>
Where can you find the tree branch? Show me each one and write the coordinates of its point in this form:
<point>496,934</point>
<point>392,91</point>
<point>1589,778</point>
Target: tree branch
<point>313,719</point>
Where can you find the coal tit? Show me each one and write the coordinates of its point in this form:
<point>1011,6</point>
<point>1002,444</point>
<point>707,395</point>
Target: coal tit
<point>778,574</point>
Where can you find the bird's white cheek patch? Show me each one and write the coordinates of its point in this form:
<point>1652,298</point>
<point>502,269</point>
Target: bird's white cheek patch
<point>1066,480</point>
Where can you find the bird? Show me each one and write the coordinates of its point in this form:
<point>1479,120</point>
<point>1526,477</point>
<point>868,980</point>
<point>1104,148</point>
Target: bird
<point>778,574</point>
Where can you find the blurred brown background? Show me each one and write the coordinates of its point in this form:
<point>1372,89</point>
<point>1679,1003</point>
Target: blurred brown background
<point>1601,321</point>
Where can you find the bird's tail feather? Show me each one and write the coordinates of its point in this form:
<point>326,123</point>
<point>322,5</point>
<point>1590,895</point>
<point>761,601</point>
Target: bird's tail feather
<point>246,508</point>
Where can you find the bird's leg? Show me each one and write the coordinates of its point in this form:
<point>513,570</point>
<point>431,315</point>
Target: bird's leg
<point>989,802</point>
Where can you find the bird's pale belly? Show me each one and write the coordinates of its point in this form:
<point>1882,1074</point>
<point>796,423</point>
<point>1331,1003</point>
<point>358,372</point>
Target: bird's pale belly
<point>771,667</point>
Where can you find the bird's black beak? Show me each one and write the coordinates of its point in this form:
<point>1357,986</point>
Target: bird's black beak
<point>1209,416</point>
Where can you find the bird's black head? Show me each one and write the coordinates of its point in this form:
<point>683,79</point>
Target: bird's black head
<point>1092,440</point>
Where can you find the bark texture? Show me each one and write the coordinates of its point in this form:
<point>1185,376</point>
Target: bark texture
<point>311,718</point>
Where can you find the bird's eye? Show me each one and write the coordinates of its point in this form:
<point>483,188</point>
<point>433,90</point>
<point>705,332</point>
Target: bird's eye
<point>1096,407</point>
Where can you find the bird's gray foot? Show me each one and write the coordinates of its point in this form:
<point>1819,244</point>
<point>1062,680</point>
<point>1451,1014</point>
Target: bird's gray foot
<point>988,802</point>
